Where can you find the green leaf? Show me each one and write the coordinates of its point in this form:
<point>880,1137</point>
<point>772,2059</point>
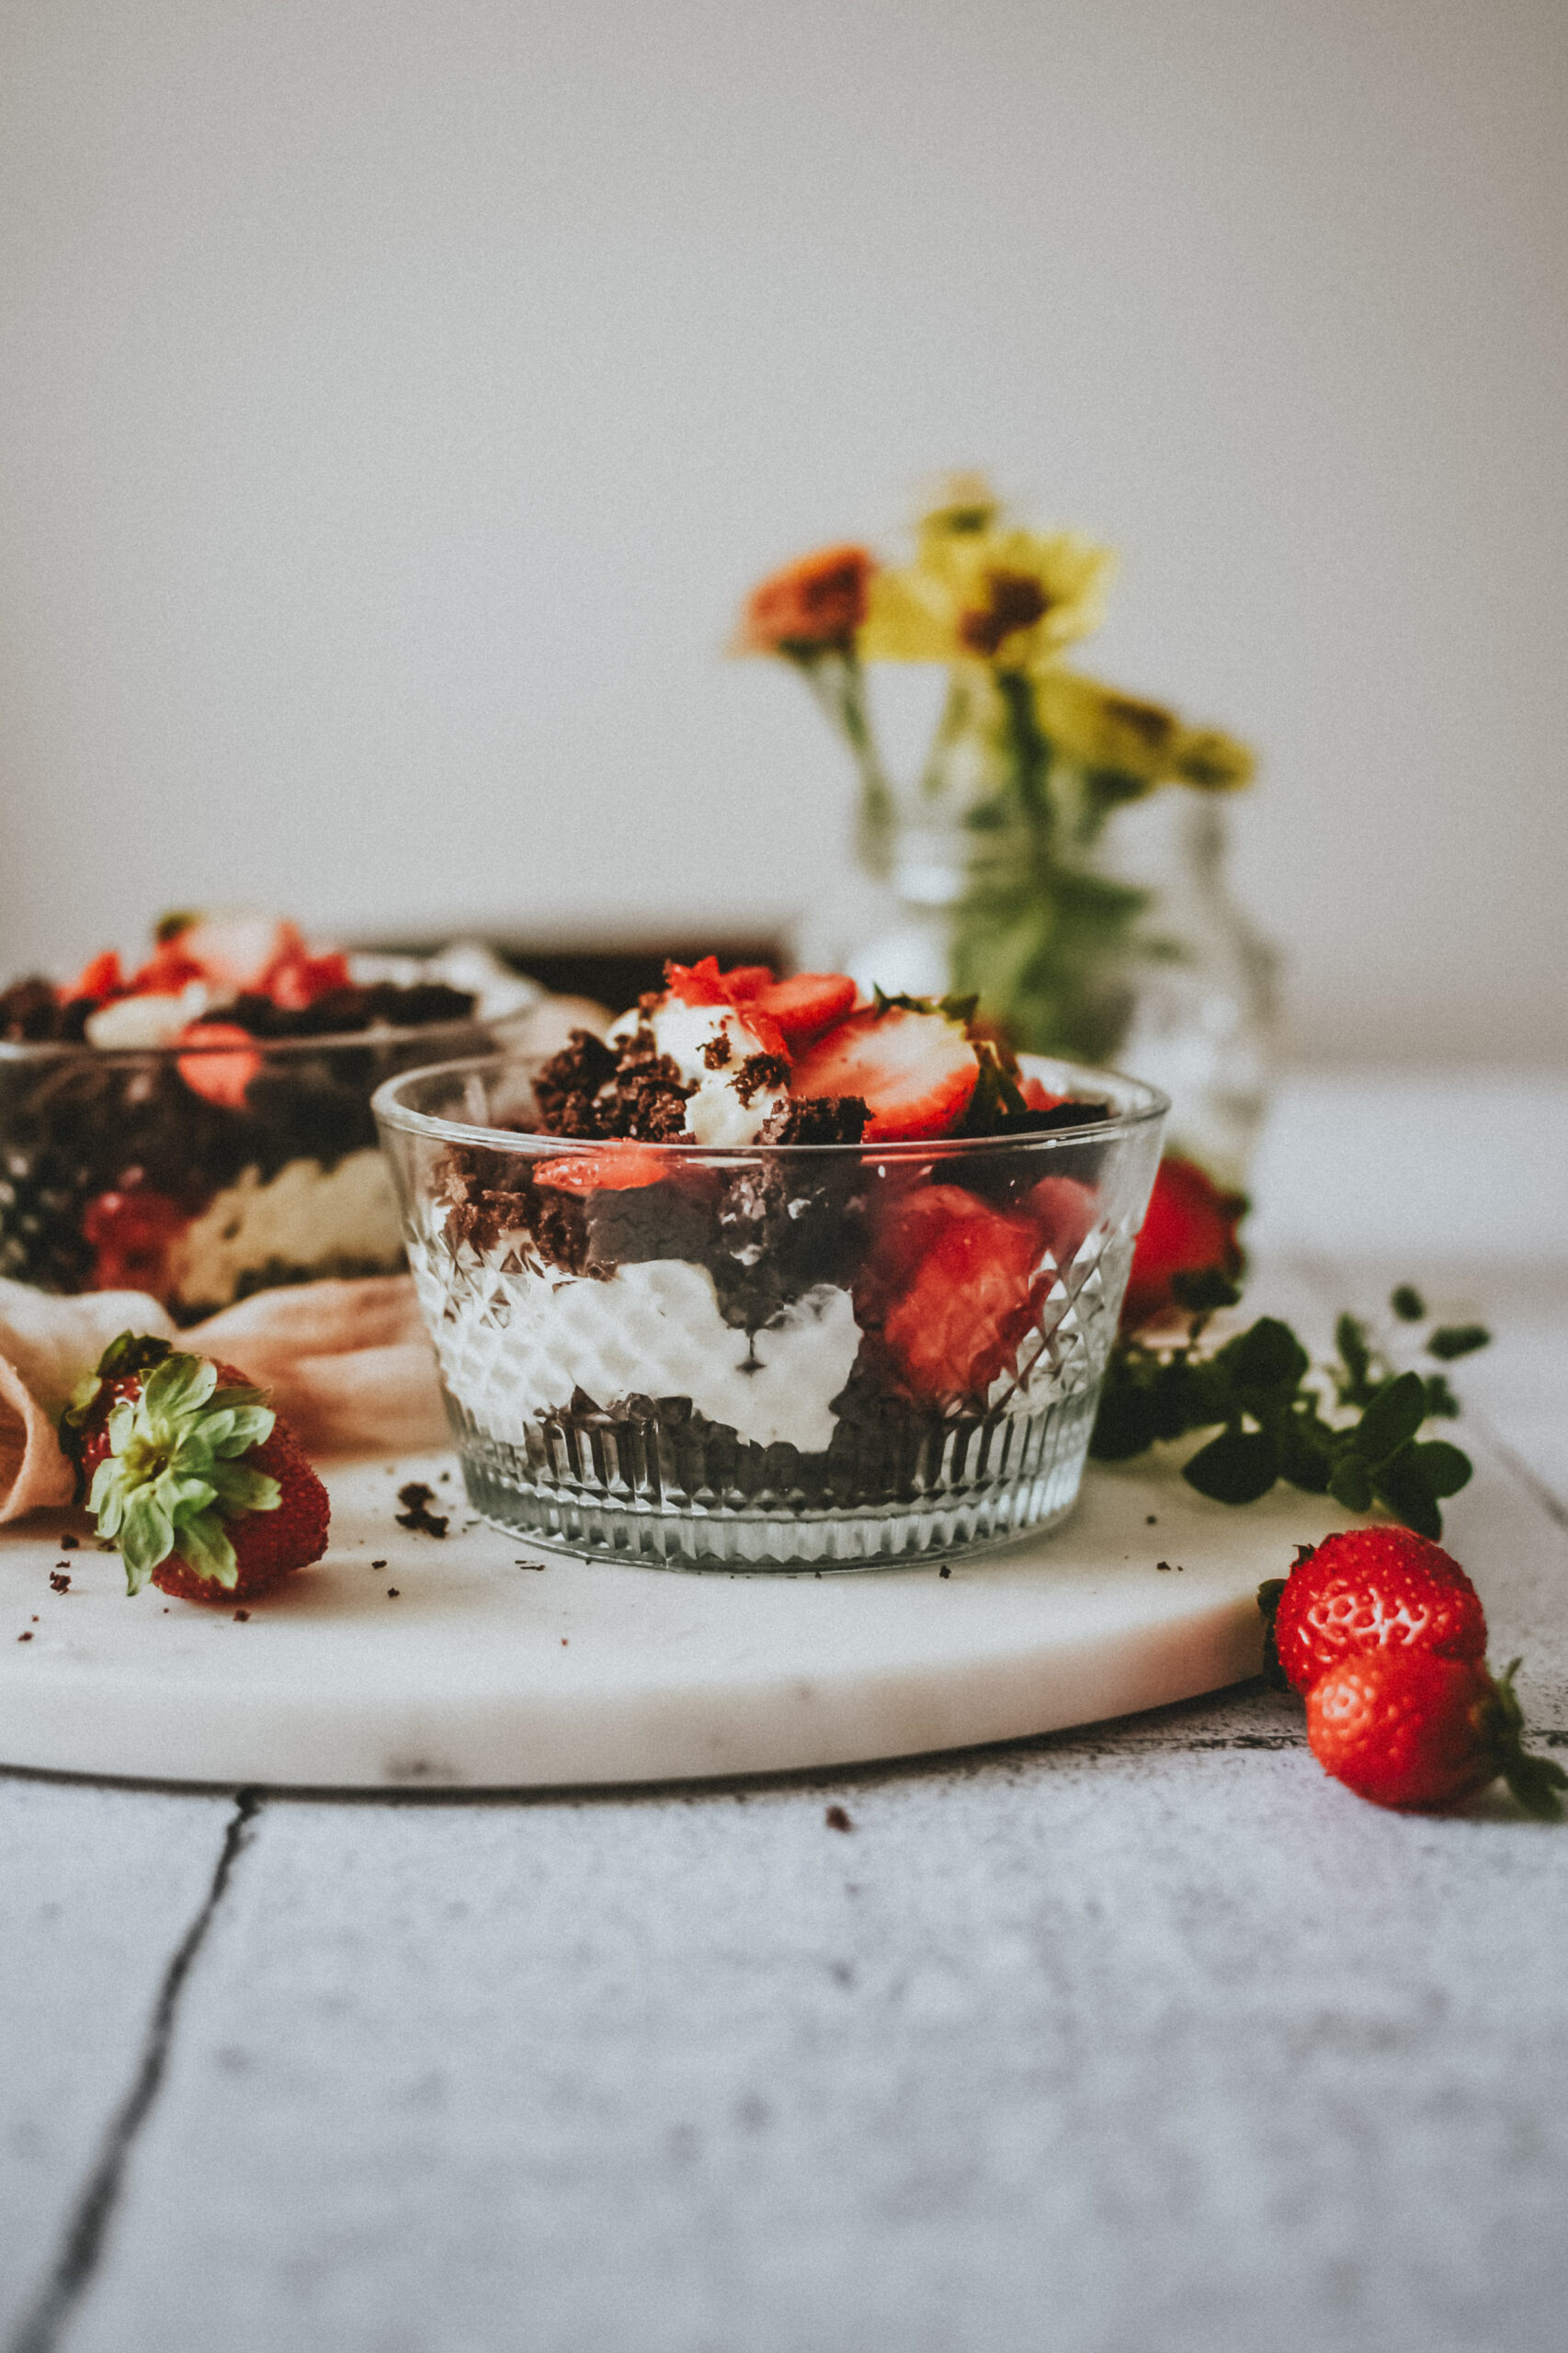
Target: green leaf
<point>204,1545</point>
<point>1400,1486</point>
<point>1407,1303</point>
<point>1442,1403</point>
<point>1203,1290</point>
<point>240,1489</point>
<point>182,1496</point>
<point>1303,1458</point>
<point>1443,1469</point>
<point>1392,1420</point>
<point>1269,1594</point>
<point>1350,1340</point>
<point>146,1536</point>
<point>106,1501</point>
<point>1124,1425</point>
<point>1268,1356</point>
<point>132,1352</point>
<point>1237,1467</point>
<point>237,1429</point>
<point>1450,1340</point>
<point>178,1385</point>
<point>1350,1482</point>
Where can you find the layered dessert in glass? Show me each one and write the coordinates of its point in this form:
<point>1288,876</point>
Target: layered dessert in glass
<point>200,1127</point>
<point>772,1278</point>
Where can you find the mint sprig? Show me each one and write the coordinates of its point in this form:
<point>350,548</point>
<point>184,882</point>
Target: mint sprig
<point>1273,1417</point>
<point>172,1475</point>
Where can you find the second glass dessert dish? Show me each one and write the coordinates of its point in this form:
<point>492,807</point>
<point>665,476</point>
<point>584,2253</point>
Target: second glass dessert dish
<point>819,1346</point>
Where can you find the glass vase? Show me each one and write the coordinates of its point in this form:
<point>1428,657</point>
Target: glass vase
<point>1127,948</point>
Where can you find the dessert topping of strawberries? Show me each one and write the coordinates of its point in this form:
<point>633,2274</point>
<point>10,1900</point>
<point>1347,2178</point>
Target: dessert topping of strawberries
<point>206,1492</point>
<point>916,1070</point>
<point>624,1170</point>
<point>805,1005</point>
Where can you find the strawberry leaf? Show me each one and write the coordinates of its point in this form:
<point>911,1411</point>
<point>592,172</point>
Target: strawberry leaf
<point>240,1489</point>
<point>1392,1420</point>
<point>1450,1340</point>
<point>1400,1486</point>
<point>1237,1467</point>
<point>1444,1469</point>
<point>204,1546</point>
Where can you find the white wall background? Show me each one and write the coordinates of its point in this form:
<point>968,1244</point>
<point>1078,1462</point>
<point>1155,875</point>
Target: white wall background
<point>396,399</point>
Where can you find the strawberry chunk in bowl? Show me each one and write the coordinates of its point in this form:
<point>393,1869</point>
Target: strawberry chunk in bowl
<point>772,1278</point>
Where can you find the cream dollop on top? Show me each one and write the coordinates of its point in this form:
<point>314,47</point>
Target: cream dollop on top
<point>715,1112</point>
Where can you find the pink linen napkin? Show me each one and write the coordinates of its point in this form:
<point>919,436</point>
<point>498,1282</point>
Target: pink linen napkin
<point>347,1364</point>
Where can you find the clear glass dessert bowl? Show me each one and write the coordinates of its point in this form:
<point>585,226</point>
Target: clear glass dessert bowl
<point>775,1355</point>
<point>203,1170</point>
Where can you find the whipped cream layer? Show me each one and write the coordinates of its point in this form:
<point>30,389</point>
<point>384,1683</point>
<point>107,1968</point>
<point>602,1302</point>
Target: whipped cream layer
<point>306,1216</point>
<point>514,1347</point>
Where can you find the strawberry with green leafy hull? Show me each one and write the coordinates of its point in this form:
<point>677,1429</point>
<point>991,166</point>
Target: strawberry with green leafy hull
<point>190,1473</point>
<point>1371,1589</point>
<point>1408,1729</point>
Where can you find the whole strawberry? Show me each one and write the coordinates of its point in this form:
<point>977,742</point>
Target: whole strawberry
<point>192,1473</point>
<point>1405,1727</point>
<point>1189,1228</point>
<point>1372,1589</point>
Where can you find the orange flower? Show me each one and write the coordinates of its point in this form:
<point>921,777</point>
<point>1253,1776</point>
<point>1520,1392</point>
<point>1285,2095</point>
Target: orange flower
<point>814,604</point>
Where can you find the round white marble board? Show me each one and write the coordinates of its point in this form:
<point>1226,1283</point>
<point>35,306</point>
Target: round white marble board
<point>484,1673</point>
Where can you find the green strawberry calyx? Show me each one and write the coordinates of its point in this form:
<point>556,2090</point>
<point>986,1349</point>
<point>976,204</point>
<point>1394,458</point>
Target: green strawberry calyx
<point>1536,1781</point>
<point>172,1476</point>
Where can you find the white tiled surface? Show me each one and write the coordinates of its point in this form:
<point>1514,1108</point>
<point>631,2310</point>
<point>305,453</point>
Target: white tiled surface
<point>1143,2038</point>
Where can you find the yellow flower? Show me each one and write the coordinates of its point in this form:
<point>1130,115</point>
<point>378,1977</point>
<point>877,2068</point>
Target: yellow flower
<point>976,592</point>
<point>1098,727</point>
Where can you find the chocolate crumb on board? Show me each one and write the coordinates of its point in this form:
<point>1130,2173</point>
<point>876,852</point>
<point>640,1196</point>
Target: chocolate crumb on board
<point>25,1638</point>
<point>836,1819</point>
<point>944,1571</point>
<point>392,1592</point>
<point>1164,1565</point>
<point>1151,1521</point>
<point>59,1582</point>
<point>69,1543</point>
<point>416,1513</point>
<point>242,1617</point>
<point>378,1564</point>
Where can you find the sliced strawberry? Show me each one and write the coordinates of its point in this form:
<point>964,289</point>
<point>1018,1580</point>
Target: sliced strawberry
<point>806,1004</point>
<point>167,970</point>
<point>100,980</point>
<point>697,983</point>
<point>236,951</point>
<point>915,1070</point>
<point>954,1285</point>
<point>620,1171</point>
<point>1063,1209</point>
<point>745,980</point>
<point>298,979</point>
<point>1038,1098</point>
<point>219,1077</point>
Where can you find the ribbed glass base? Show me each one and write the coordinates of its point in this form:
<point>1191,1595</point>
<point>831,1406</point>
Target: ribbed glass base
<point>677,1493</point>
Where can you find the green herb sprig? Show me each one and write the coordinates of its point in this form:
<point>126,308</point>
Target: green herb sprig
<point>1273,1410</point>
